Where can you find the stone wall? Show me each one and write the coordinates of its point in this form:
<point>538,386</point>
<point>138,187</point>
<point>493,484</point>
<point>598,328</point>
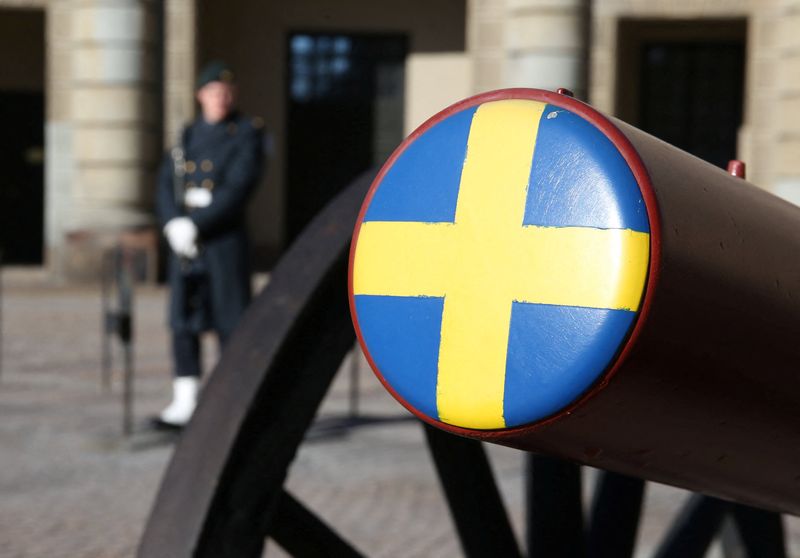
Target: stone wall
<point>785,168</point>
<point>104,101</point>
<point>769,139</point>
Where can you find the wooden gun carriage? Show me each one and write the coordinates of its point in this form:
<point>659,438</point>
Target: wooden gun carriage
<point>649,317</point>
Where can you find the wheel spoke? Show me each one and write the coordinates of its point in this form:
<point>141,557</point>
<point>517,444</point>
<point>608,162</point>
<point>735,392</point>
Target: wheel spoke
<point>694,528</point>
<point>615,516</point>
<point>301,533</point>
<point>761,532</point>
<point>555,516</point>
<point>475,503</point>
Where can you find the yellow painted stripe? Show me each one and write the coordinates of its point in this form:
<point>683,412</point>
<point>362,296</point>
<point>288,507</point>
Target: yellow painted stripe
<point>571,266</point>
<point>404,258</point>
<point>494,181</point>
<point>490,208</point>
<point>472,359</point>
<point>578,266</point>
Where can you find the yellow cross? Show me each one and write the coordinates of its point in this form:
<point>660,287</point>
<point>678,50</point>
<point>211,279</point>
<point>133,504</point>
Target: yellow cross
<point>487,259</point>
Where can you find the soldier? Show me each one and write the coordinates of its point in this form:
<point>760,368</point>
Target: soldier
<point>203,190</point>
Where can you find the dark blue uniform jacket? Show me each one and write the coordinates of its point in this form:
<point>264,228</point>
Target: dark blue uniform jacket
<point>212,291</point>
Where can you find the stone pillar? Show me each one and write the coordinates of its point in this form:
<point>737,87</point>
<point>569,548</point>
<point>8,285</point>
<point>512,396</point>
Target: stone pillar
<point>180,57</point>
<point>546,44</point>
<point>59,160</point>
<point>485,43</point>
<point>786,167</point>
<point>529,43</point>
<point>757,136</point>
<point>112,123</point>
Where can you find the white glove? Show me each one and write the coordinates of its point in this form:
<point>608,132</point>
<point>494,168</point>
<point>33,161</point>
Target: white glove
<point>182,236</point>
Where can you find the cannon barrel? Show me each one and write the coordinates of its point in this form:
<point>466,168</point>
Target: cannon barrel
<point>529,272</point>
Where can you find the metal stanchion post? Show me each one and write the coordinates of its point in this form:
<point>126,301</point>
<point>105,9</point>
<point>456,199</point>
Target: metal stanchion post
<point>125,281</point>
<point>354,369</point>
<point>119,277</point>
<point>106,325</point>
<point>127,392</point>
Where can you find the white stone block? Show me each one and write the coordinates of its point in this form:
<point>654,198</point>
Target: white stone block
<point>433,82</point>
<point>114,64</point>
<point>548,30</point>
<point>515,5</point>
<point>99,215</point>
<point>114,145</point>
<point>788,189</point>
<point>113,105</point>
<point>544,71</point>
<point>108,23</point>
<point>59,170</point>
<point>126,185</point>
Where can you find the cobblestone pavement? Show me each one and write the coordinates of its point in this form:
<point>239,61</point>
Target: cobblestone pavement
<point>71,485</point>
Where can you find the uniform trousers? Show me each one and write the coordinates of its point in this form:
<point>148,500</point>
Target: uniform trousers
<point>186,352</point>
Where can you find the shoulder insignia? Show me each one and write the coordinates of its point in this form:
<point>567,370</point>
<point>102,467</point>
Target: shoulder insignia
<point>232,128</point>
<point>257,122</point>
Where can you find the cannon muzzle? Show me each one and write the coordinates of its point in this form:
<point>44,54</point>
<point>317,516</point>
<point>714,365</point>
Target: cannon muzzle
<point>529,272</point>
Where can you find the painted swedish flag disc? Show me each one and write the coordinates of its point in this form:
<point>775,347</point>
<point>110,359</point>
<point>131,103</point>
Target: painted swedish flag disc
<point>499,262</point>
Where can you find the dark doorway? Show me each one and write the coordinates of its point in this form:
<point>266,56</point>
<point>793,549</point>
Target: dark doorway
<point>345,114</point>
<point>22,179</point>
<point>689,83</point>
<point>22,136</point>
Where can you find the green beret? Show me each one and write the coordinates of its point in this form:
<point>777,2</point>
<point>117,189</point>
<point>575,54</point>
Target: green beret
<point>216,70</point>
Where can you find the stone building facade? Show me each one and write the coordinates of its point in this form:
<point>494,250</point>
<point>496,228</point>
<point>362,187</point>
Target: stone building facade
<point>118,76</point>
